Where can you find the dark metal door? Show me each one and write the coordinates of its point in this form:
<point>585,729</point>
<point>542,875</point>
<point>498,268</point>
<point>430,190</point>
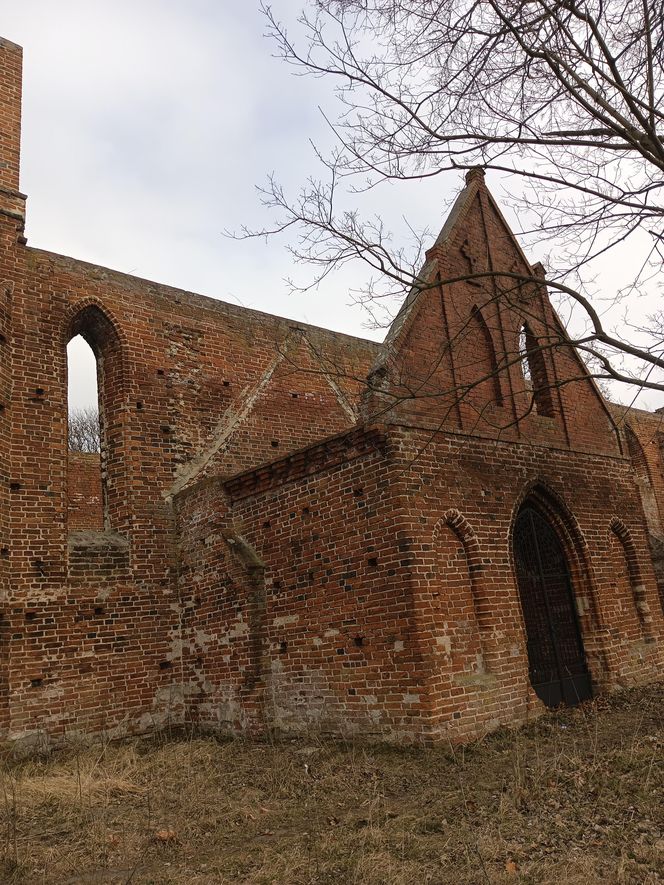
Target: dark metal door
<point>556,659</point>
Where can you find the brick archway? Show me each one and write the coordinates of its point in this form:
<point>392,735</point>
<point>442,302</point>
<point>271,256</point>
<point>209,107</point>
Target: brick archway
<point>557,665</point>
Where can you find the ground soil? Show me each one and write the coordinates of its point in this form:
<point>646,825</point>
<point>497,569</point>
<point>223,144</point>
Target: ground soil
<point>576,797</point>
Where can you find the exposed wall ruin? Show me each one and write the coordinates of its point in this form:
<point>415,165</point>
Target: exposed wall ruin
<point>293,529</point>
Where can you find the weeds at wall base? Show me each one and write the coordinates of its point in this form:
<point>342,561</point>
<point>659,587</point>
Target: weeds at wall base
<point>574,797</point>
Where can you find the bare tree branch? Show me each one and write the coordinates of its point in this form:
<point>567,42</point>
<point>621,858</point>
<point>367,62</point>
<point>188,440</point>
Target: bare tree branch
<point>567,96</point>
<point>83,430</point>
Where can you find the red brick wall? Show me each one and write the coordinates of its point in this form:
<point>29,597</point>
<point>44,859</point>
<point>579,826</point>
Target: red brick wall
<point>84,500</point>
<point>168,418</point>
<point>10,114</point>
<point>12,215</point>
<point>333,644</point>
<point>90,626</point>
<point>336,587</point>
<point>441,357</point>
<point>643,434</point>
<point>486,482</point>
<point>388,600</point>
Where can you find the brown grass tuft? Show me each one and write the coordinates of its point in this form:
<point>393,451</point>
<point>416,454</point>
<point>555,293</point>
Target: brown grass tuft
<point>574,799</point>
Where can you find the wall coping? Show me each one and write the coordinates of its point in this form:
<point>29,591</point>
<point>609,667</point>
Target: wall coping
<point>330,452</point>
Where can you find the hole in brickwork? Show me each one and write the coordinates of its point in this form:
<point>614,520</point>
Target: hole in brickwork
<point>283,647</point>
<point>295,395</point>
<point>4,552</point>
<point>30,616</point>
<point>39,391</point>
<point>267,524</point>
<point>139,406</point>
<point>2,407</point>
<point>165,665</point>
<point>358,641</point>
<point>166,428</point>
<point>226,383</point>
<point>14,486</point>
<point>352,691</point>
<point>274,443</point>
<point>99,610</point>
<point>160,372</point>
<point>358,492</point>
<point>306,511</point>
<point>3,339</point>
<point>372,562</point>
<point>341,651</point>
<point>36,683</point>
<point>277,585</point>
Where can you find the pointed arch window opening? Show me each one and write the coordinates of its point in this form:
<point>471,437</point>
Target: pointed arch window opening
<point>82,397</point>
<point>494,379</point>
<point>534,372</point>
<point>87,492</point>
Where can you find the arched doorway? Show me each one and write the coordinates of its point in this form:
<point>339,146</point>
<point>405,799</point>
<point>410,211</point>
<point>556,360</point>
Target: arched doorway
<point>556,659</point>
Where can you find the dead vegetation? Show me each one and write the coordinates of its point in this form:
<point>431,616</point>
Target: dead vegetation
<point>576,797</point>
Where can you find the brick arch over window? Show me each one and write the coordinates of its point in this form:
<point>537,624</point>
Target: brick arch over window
<point>535,372</point>
<point>643,480</point>
<point>637,587</point>
<point>637,455</point>
<point>488,388</point>
<point>484,616</point>
<point>95,325</point>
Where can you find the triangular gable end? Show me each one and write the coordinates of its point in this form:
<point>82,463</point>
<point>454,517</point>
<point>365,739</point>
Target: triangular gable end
<point>429,347</point>
<point>581,370</point>
<point>409,309</point>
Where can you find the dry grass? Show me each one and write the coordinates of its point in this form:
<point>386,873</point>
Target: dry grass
<point>574,798</point>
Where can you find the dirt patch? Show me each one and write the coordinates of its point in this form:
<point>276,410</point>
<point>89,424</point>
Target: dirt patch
<point>576,797</point>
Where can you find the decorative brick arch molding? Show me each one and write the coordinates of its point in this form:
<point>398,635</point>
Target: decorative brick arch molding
<point>95,322</point>
<point>638,588</point>
<point>249,571</point>
<point>584,584</point>
<point>90,319</point>
<point>552,506</point>
<point>484,341</point>
<point>482,610</point>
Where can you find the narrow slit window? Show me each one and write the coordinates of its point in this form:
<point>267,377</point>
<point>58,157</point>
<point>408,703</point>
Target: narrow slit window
<point>534,371</point>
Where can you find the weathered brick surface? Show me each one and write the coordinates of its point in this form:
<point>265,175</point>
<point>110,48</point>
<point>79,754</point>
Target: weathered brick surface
<point>378,616</point>
<point>270,542</point>
<point>85,507</point>
<point>643,439</point>
<point>452,356</point>
<point>181,376</point>
<point>12,218</point>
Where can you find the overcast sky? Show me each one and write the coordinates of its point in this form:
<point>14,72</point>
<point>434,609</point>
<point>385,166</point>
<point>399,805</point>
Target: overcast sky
<point>147,125</point>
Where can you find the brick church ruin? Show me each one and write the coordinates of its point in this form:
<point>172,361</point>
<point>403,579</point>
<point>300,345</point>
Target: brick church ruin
<point>296,530</point>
